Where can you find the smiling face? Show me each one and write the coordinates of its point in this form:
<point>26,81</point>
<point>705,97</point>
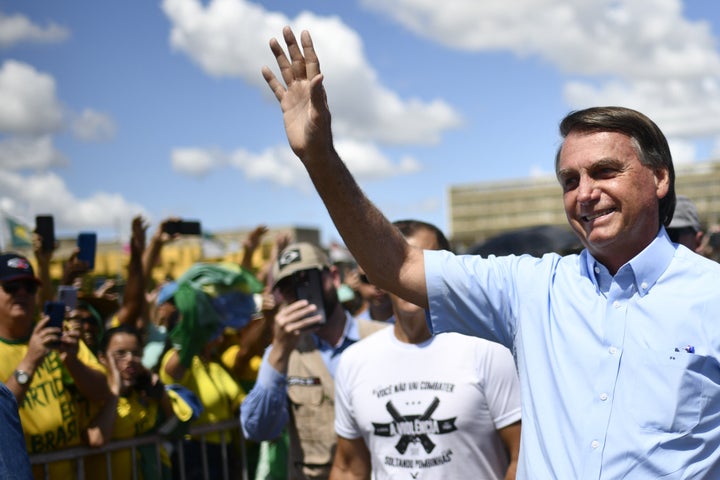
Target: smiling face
<point>610,197</point>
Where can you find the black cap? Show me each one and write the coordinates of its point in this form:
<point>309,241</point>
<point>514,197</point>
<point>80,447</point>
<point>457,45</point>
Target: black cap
<point>16,267</point>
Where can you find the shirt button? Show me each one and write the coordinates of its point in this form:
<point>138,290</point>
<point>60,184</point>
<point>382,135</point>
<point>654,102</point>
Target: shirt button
<point>595,444</point>
<point>616,304</point>
<point>644,285</point>
<point>603,396</point>
<point>597,269</point>
<point>612,350</point>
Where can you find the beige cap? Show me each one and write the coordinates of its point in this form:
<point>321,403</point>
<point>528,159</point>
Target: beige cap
<point>296,257</point>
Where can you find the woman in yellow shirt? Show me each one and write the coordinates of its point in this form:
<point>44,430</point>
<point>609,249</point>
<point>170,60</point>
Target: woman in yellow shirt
<point>140,404</point>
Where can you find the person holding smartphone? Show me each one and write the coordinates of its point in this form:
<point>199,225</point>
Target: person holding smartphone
<point>311,331</point>
<point>39,365</point>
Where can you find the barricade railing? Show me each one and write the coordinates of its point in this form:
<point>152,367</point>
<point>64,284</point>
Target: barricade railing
<point>78,454</point>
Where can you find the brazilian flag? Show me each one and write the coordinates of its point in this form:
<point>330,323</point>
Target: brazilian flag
<point>20,233</point>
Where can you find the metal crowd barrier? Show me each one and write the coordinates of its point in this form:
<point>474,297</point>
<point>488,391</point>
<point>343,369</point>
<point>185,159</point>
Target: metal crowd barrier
<point>78,454</point>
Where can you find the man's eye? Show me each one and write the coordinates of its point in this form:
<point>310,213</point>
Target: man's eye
<point>606,172</point>
<point>569,183</point>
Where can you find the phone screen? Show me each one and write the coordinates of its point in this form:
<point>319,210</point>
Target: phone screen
<point>308,286</point>
<point>183,227</point>
<point>45,227</point>
<point>87,243</point>
<point>190,228</point>
<point>67,294</point>
<point>56,312</point>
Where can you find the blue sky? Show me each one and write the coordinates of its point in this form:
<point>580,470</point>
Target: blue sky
<point>112,109</point>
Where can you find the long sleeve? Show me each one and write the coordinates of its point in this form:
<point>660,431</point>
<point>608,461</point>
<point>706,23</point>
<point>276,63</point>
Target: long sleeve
<point>264,412</point>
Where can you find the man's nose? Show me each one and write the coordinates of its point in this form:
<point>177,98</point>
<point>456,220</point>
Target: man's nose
<point>587,190</point>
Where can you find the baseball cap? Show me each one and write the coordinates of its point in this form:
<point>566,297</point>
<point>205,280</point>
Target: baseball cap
<point>296,257</point>
<point>685,214</point>
<point>16,267</point>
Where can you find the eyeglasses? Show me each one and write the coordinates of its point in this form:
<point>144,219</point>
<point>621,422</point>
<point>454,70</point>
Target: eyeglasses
<point>14,286</point>
<point>121,354</point>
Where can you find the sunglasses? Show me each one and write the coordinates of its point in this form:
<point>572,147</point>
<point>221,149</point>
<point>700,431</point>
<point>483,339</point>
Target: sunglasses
<point>14,286</point>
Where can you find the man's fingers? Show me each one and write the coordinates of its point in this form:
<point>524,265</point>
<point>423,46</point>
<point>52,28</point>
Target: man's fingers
<point>312,64</point>
<point>282,61</point>
<point>277,88</point>
<point>296,56</point>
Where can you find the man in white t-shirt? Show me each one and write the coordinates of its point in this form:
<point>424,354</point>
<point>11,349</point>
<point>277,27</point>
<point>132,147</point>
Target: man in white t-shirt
<point>410,405</point>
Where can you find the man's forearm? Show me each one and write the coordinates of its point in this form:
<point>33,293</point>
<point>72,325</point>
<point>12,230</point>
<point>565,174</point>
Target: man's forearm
<point>374,241</point>
<point>264,414</point>
<point>264,411</point>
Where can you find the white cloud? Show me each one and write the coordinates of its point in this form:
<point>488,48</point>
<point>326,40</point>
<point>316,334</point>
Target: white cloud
<point>275,165</point>
<point>28,100</point>
<point>638,53</point>
<point>367,162</point>
<point>681,107</point>
<point>635,38</point>
<point>29,152</point>
<point>280,166</point>
<point>17,28</point>
<point>90,125</point>
<point>47,193</point>
<point>230,38</point>
<point>196,162</point>
<point>682,151</point>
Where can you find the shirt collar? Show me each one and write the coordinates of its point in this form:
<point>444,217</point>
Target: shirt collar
<point>646,267</point>
<point>350,332</point>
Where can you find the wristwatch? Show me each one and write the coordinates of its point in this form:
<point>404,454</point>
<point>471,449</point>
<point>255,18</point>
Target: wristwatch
<point>22,377</point>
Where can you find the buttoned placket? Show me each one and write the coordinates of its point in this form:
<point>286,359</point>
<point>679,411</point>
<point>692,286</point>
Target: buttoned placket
<point>618,297</point>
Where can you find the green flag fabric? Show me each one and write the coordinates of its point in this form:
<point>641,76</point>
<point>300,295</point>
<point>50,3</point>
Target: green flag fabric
<point>210,297</point>
<point>20,233</point>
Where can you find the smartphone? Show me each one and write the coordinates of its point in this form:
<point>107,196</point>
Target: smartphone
<point>68,294</point>
<point>182,227</point>
<point>308,286</point>
<point>87,243</point>
<point>190,227</point>
<point>56,312</point>
<point>45,227</point>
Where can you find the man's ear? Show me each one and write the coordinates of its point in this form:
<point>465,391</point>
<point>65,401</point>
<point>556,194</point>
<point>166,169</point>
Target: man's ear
<point>662,182</point>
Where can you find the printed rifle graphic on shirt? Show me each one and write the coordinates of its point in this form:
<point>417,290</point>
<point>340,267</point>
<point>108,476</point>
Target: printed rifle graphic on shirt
<point>414,428</point>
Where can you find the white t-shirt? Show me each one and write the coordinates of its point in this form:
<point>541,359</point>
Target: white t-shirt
<point>430,410</point>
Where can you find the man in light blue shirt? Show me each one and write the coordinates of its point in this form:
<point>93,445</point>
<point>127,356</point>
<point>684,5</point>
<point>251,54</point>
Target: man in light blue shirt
<point>617,348</point>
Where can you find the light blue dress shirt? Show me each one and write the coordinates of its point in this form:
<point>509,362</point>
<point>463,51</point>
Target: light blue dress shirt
<point>619,375</point>
<point>264,412</point>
